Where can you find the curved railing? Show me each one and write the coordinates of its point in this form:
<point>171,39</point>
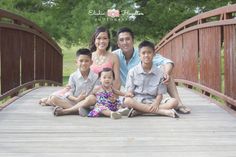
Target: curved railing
<point>29,57</point>
<point>204,51</point>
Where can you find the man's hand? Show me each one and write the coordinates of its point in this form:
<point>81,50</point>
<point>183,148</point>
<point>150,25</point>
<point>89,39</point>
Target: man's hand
<point>166,79</point>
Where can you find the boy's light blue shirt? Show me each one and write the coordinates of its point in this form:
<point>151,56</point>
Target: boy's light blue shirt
<point>135,60</point>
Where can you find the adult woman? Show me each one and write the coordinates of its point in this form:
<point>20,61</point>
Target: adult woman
<point>102,57</point>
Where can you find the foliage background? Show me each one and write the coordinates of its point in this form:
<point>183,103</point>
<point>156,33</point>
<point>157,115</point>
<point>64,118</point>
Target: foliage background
<point>72,22</point>
<point>69,21</point>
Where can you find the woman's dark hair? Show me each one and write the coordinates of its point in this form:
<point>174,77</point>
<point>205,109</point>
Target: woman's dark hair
<point>92,45</point>
<point>106,70</point>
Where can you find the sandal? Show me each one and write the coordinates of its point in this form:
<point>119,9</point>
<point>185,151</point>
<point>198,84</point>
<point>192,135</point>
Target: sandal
<point>132,113</point>
<point>57,111</point>
<point>175,114</point>
<point>183,109</point>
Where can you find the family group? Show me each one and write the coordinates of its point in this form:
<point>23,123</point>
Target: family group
<point>126,82</point>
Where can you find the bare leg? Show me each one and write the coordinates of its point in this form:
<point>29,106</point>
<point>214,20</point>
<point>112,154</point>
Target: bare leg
<point>87,102</point>
<point>146,108</point>
<point>131,103</point>
<point>169,113</point>
<point>164,109</point>
<point>173,92</point>
<point>170,104</point>
<point>106,113</point>
<point>56,101</point>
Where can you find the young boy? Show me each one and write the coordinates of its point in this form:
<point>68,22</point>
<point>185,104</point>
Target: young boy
<point>145,83</point>
<point>81,83</point>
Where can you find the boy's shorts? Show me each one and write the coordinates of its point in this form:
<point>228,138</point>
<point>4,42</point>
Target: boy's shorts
<point>149,100</point>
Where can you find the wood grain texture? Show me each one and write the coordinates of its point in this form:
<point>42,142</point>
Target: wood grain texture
<point>28,129</point>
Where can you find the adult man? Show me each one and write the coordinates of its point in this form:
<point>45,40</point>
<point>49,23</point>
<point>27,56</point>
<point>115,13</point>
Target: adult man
<point>129,57</point>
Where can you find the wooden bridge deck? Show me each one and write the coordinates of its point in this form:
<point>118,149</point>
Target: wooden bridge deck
<point>28,129</point>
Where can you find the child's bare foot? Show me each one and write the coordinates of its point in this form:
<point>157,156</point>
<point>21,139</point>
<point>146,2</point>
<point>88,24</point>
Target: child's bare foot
<point>43,102</point>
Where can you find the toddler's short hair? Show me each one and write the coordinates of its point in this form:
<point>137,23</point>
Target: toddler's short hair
<point>106,70</point>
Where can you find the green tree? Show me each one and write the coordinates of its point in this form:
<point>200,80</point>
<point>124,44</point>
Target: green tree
<point>73,21</point>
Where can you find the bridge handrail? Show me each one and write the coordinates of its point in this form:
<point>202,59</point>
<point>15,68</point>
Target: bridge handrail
<point>23,22</point>
<point>203,49</point>
<point>28,85</point>
<point>199,21</point>
<point>28,56</point>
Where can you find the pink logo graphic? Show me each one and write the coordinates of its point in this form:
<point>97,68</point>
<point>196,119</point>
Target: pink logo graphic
<point>113,13</point>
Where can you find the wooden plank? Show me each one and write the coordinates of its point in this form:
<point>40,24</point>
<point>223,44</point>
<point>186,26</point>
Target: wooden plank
<point>27,57</point>
<point>166,51</point>
<point>28,129</point>
<point>230,61</point>
<point>10,59</point>
<point>39,58</point>
<point>177,56</point>
<point>190,56</point>
<point>49,62</point>
<point>209,55</point>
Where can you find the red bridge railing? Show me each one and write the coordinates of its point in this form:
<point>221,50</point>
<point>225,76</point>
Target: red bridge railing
<point>28,56</point>
<point>204,51</point>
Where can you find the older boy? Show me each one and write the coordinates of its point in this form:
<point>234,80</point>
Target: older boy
<point>145,82</point>
<point>81,82</point>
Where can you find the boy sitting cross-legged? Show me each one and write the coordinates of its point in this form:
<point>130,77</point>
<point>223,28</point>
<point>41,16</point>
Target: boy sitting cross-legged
<point>144,82</point>
<point>81,83</point>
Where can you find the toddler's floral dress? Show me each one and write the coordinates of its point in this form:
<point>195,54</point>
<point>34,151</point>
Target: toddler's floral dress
<point>104,103</point>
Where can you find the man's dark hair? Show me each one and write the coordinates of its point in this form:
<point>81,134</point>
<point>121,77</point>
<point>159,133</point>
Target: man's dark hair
<point>125,29</point>
<point>83,51</point>
<point>146,43</point>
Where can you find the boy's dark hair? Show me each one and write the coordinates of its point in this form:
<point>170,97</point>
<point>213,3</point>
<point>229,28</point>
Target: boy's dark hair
<point>146,43</point>
<point>92,45</point>
<point>106,70</point>
<point>125,29</point>
<point>83,51</point>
